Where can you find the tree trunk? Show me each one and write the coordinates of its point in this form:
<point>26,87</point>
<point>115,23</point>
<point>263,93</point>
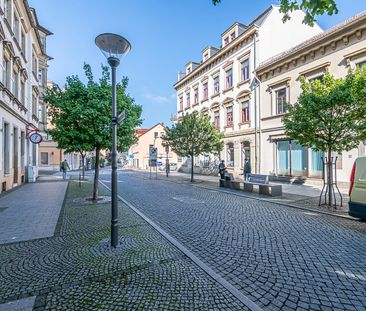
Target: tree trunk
<point>83,164</point>
<point>330,177</point>
<point>192,165</point>
<point>96,174</point>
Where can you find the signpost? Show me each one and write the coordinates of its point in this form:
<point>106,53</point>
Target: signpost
<point>121,117</point>
<point>153,157</point>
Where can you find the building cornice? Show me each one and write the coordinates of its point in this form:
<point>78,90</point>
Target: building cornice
<point>353,26</point>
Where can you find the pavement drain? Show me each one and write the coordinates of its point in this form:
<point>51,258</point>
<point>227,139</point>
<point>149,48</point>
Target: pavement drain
<point>89,201</point>
<point>3,209</point>
<point>103,248</point>
<point>187,199</point>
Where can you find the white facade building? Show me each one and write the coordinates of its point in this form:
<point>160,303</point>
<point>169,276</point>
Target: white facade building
<point>338,50</point>
<point>22,80</point>
<point>223,83</point>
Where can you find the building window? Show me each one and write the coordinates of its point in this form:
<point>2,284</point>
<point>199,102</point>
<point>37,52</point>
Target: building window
<point>229,116</point>
<point>44,158</point>
<point>317,78</point>
<point>6,155</point>
<point>205,90</point>
<point>180,103</point>
<point>6,73</point>
<point>230,155</point>
<point>16,27</point>
<point>22,92</point>
<point>281,103</point>
<point>34,64</point>
<point>244,69</point>
<point>361,64</point>
<point>188,100</point>
<point>217,119</point>
<point>232,36</point>
<point>217,85</point>
<point>245,111</point>
<point>205,56</point>
<point>34,106</point>
<point>156,134</point>
<point>15,83</point>
<point>22,149</point>
<point>196,96</point>
<point>226,40</point>
<point>245,151</point>
<point>7,10</point>
<point>23,43</point>
<point>229,78</point>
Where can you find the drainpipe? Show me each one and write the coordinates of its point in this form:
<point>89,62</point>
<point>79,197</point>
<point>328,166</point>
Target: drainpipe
<point>255,106</point>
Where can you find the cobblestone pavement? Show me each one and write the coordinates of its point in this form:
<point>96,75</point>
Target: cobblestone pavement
<point>76,269</point>
<point>281,258</point>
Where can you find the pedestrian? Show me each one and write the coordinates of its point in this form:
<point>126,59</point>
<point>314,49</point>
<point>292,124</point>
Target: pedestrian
<point>247,170</point>
<point>222,169</point>
<point>64,167</point>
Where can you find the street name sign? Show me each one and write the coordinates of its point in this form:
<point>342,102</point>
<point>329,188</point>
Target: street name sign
<point>121,117</point>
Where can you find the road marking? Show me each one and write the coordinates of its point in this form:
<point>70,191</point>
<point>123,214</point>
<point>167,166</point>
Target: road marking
<point>234,291</point>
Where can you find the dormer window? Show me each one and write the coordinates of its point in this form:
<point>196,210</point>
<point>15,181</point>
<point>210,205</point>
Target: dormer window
<point>188,70</point>
<point>226,40</point>
<point>232,36</point>
<point>205,57</point>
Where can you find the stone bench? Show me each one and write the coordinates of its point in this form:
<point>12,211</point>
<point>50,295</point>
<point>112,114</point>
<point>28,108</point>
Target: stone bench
<point>260,181</point>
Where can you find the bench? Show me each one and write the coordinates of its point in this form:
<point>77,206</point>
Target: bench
<point>254,180</point>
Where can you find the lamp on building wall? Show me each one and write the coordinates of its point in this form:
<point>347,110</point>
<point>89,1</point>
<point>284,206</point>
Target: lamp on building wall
<point>113,48</point>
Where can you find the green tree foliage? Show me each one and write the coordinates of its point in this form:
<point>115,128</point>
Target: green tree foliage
<point>312,8</point>
<point>192,136</point>
<point>329,115</point>
<point>81,116</point>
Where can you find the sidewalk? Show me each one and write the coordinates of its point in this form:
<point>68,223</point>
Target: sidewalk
<point>300,196</point>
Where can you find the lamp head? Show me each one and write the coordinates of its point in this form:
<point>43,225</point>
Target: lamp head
<point>113,47</point>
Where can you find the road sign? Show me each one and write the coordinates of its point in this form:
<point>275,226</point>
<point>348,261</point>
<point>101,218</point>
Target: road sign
<point>121,117</point>
<point>153,153</point>
<point>159,163</point>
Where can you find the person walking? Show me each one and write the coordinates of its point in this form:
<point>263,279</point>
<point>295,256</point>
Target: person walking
<point>247,170</point>
<point>64,167</point>
<point>222,169</point>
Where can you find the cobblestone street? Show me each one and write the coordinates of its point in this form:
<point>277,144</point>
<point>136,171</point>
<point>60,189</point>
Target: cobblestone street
<point>76,270</point>
<point>280,257</point>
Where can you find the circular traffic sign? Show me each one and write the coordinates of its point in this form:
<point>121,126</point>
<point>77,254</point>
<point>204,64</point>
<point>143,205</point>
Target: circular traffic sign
<point>35,138</point>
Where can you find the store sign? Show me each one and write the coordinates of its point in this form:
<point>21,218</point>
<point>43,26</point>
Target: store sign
<point>35,138</point>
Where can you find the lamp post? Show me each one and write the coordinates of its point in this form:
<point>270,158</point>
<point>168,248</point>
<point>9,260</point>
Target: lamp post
<point>113,48</point>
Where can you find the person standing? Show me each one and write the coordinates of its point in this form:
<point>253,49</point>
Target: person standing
<point>247,170</point>
<point>64,167</point>
<point>222,169</point>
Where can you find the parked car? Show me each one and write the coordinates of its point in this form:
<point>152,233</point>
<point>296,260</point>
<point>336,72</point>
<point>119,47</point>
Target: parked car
<point>173,167</point>
<point>357,190</point>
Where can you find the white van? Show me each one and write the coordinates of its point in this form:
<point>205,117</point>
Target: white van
<point>357,190</point>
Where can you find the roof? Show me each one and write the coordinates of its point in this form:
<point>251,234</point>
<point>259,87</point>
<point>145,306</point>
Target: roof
<point>142,131</point>
<point>312,41</point>
<point>232,26</point>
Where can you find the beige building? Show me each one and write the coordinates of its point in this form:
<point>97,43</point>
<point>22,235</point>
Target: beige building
<point>337,50</point>
<point>223,85</point>
<point>23,79</point>
<point>139,153</point>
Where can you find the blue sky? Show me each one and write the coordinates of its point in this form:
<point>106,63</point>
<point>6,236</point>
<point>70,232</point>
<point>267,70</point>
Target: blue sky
<point>164,34</point>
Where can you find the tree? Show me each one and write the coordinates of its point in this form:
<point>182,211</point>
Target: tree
<point>312,8</point>
<point>329,116</point>
<point>192,136</point>
<point>93,115</point>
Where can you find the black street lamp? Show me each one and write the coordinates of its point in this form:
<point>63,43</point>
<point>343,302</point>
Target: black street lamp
<point>113,48</point>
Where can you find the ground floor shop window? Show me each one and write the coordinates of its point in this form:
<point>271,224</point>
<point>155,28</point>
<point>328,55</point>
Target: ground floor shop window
<point>230,155</point>
<point>296,160</point>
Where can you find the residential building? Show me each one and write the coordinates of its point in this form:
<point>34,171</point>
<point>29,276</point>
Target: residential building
<point>223,84</point>
<point>139,153</point>
<point>23,75</point>
<point>338,50</point>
